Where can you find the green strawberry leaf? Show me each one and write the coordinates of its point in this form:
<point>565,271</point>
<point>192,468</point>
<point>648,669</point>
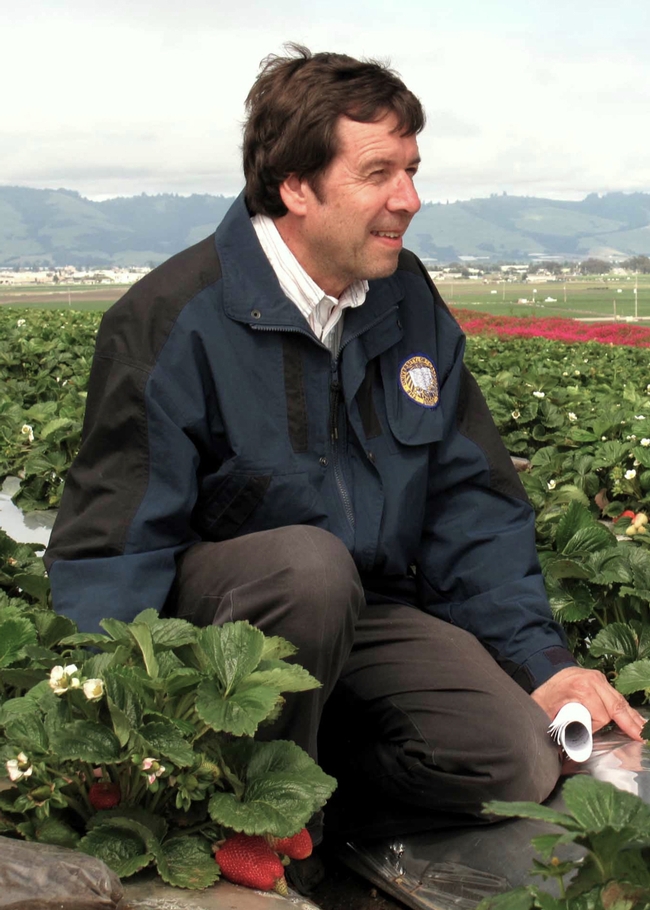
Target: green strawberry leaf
<point>588,540</point>
<point>84,740</point>
<point>283,677</point>
<point>233,650</point>
<point>597,805</point>
<point>120,849</point>
<point>52,830</point>
<point>15,635</point>
<point>172,633</point>
<point>275,648</point>
<point>52,627</point>
<point>634,677</point>
<point>189,863</point>
<point>28,732</point>
<point>529,810</point>
<point>155,823</point>
<point>616,639</point>
<point>239,713</point>
<point>571,604</point>
<point>142,634</point>
<point>283,788</point>
<point>165,740</point>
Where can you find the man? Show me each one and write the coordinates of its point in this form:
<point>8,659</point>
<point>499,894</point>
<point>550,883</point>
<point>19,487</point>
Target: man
<point>280,429</point>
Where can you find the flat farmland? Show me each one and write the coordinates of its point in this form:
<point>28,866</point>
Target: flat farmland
<point>595,298</point>
<point>61,297</point>
<point>577,298</point>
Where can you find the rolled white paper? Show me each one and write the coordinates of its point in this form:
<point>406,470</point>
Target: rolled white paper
<point>572,730</point>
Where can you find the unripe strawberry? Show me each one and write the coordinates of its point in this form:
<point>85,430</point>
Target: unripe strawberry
<point>246,859</point>
<point>640,519</point>
<point>104,795</point>
<point>298,846</point>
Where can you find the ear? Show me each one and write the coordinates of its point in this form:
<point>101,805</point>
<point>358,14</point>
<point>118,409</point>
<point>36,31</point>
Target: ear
<point>295,194</point>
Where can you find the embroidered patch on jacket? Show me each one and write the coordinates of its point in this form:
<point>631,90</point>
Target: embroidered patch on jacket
<point>419,380</point>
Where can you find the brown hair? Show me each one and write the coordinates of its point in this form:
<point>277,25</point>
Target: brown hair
<point>293,108</point>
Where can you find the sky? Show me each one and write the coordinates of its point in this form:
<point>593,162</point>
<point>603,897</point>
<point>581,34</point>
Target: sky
<point>525,97</point>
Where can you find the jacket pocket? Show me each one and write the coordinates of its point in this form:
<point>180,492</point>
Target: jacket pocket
<point>412,395</point>
<point>226,502</point>
<point>234,504</point>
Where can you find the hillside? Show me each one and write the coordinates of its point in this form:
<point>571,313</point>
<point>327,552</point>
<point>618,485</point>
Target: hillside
<point>60,227</point>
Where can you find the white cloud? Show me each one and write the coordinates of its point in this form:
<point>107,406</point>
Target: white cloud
<point>139,96</point>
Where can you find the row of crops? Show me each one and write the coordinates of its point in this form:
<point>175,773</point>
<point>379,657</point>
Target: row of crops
<point>132,746</point>
<point>579,411</point>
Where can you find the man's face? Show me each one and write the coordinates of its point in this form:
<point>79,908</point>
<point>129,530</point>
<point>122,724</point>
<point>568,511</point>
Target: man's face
<point>353,226</point>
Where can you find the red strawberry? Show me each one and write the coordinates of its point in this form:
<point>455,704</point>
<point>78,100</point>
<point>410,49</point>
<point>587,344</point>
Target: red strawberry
<point>248,860</point>
<point>299,846</point>
<point>104,795</point>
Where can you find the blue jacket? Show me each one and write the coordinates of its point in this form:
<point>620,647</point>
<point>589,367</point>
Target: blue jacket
<point>214,412</point>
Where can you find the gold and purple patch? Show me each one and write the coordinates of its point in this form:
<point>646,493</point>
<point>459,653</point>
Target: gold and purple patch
<point>419,380</point>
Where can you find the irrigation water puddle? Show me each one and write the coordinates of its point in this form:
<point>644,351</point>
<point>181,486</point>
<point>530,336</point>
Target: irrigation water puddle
<point>33,527</point>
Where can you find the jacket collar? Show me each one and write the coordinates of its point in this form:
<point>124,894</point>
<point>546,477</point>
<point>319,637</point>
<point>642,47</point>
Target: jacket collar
<point>252,293</point>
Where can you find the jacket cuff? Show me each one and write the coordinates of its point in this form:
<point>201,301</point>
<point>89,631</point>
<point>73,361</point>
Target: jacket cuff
<point>541,666</point>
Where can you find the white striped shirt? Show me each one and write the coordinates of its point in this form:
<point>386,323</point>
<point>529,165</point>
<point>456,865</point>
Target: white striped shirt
<point>322,312</point>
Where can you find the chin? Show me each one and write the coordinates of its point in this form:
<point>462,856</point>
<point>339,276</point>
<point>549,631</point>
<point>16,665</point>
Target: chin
<point>383,270</point>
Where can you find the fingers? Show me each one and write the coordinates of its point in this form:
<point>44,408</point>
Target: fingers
<point>624,716</point>
<point>592,689</point>
<point>606,704</point>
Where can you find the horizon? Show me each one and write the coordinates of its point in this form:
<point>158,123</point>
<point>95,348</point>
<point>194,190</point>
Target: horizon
<point>229,195</point>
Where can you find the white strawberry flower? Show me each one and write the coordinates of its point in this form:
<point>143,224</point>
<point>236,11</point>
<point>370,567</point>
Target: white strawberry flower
<point>18,767</point>
<point>93,689</point>
<point>639,417</point>
<point>645,442</point>
<point>20,323</point>
<point>631,474</point>
<point>539,394</point>
<point>572,416</point>
<point>63,678</point>
<point>516,415</point>
<point>27,430</point>
<point>551,484</point>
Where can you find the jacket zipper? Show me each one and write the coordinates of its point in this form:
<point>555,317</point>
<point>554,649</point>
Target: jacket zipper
<point>334,419</point>
<point>335,397</point>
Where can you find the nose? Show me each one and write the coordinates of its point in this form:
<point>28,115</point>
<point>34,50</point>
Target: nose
<point>404,197</point>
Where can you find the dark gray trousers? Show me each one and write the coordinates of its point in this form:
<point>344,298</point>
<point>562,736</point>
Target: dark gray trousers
<point>421,725</point>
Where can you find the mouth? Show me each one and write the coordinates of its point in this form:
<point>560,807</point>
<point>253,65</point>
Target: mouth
<point>389,235</point>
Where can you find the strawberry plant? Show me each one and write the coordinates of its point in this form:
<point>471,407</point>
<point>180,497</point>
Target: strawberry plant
<point>45,360</point>
<point>141,751</point>
<point>612,826</point>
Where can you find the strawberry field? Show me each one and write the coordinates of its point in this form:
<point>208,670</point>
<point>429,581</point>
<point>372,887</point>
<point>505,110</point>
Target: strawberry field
<point>137,712</point>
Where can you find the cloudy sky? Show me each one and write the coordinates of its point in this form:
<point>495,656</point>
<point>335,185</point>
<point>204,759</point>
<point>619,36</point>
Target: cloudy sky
<point>531,97</point>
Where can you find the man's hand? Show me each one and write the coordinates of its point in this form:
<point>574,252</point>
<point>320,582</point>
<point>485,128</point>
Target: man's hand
<point>591,689</point>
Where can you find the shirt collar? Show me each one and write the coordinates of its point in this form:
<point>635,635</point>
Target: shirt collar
<point>294,280</point>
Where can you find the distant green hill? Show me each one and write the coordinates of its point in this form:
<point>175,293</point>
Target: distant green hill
<point>60,227</point>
